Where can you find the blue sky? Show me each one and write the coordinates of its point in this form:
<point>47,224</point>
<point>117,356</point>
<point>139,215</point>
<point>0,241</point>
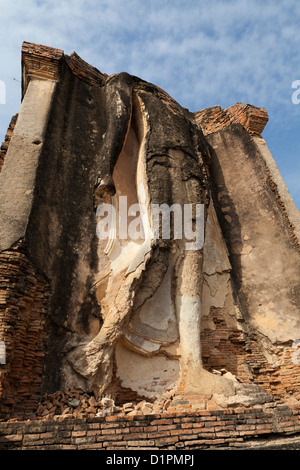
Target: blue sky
<point>204,53</point>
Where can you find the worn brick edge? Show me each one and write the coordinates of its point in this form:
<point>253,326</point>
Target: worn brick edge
<point>231,428</point>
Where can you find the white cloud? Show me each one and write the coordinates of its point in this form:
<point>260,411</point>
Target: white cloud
<point>223,49</point>
<point>202,53</point>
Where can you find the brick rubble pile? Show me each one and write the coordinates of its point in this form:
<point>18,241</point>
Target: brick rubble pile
<point>77,404</point>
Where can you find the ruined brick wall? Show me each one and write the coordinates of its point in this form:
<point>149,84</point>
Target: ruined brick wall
<point>253,428</point>
<point>23,307</point>
<point>241,354</point>
<point>215,119</point>
<point>244,352</point>
<point>24,292</point>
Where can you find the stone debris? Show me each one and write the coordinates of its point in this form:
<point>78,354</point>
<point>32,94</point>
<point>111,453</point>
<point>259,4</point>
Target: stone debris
<point>77,404</point>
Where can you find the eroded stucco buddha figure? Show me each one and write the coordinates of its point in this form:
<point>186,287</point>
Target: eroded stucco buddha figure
<point>152,290</point>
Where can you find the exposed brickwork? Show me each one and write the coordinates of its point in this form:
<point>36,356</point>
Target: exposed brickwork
<point>215,119</point>
<point>236,351</point>
<point>84,71</point>
<point>5,144</point>
<point>240,354</point>
<point>23,302</point>
<point>39,50</point>
<point>23,307</point>
<point>175,431</point>
<point>41,61</point>
<point>225,347</point>
<point>44,62</point>
<point>282,381</point>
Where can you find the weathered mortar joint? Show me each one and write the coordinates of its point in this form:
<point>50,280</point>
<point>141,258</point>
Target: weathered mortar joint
<point>254,428</point>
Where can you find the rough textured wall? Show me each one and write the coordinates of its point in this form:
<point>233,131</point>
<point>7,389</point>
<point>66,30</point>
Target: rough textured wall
<point>23,317</point>
<point>215,119</point>
<point>259,222</point>
<point>240,429</point>
<point>52,282</point>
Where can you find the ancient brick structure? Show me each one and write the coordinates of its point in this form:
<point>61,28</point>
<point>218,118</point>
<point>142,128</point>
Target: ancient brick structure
<point>272,428</point>
<point>215,119</point>
<point>23,307</point>
<point>54,285</point>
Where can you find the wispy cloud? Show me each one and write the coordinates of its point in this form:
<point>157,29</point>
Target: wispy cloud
<point>202,53</point>
<point>224,50</point>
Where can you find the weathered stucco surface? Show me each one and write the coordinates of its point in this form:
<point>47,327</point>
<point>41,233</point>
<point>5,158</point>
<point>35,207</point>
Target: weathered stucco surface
<point>263,252</point>
<point>147,317</point>
<point>19,169</point>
